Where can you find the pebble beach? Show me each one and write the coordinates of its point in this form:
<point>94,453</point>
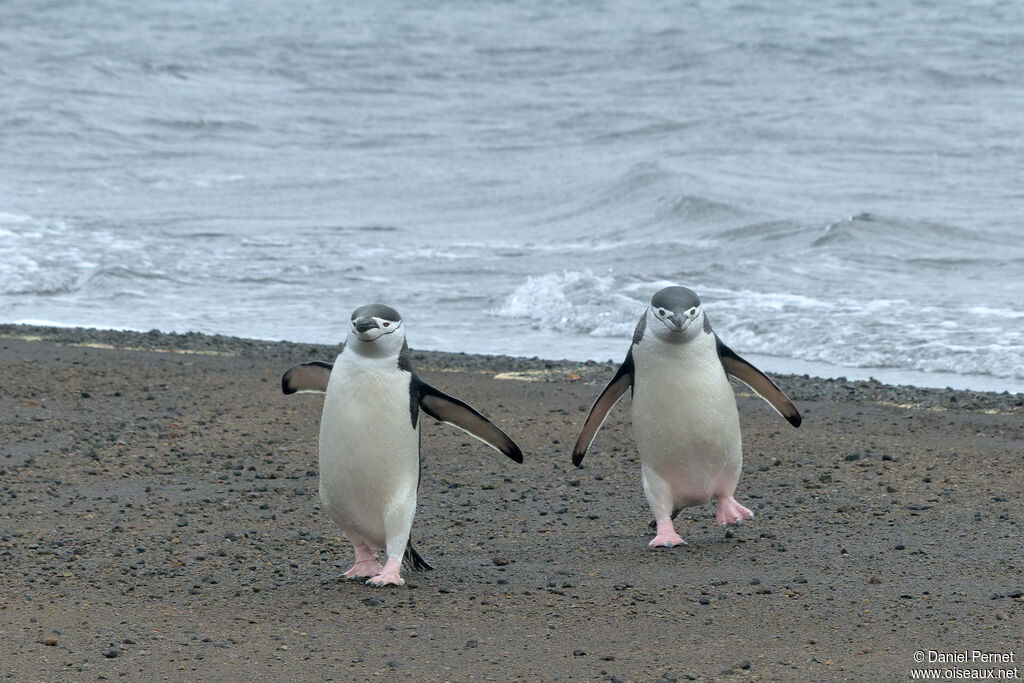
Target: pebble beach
<point>160,520</point>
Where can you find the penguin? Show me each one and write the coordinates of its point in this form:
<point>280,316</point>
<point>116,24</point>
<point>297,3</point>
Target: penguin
<point>685,421</point>
<point>370,439</point>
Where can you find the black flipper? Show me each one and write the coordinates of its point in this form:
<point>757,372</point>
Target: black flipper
<point>445,408</point>
<point>413,560</point>
<point>311,377</point>
<point>759,382</point>
<point>622,380</point>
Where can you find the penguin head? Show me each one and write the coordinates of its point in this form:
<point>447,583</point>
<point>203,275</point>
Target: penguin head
<point>376,328</point>
<point>673,312</point>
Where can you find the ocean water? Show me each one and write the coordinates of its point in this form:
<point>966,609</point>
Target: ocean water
<point>841,182</point>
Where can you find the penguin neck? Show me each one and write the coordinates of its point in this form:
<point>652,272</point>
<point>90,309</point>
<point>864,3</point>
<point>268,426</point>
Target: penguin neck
<point>691,342</point>
<point>381,349</point>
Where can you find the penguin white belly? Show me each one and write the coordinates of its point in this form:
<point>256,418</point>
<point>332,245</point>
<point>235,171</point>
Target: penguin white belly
<point>369,450</point>
<point>685,421</point>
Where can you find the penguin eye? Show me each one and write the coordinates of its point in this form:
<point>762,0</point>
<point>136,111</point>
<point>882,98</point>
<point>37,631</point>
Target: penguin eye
<point>693,311</point>
<point>387,324</point>
<point>661,312</point>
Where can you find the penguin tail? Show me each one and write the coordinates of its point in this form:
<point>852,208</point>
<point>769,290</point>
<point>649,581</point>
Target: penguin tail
<point>414,560</point>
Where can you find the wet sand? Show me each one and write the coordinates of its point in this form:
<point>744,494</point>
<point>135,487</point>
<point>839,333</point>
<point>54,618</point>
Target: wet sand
<point>160,521</point>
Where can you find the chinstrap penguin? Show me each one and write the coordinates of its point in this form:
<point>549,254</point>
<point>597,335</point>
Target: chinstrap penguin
<point>370,439</point>
<point>685,421</point>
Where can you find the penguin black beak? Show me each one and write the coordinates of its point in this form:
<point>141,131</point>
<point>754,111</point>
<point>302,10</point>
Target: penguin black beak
<point>364,324</point>
<point>676,322</point>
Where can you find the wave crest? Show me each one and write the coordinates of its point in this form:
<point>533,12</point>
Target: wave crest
<point>576,301</point>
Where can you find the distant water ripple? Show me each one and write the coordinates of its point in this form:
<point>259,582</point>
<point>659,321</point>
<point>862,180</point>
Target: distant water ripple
<point>841,182</point>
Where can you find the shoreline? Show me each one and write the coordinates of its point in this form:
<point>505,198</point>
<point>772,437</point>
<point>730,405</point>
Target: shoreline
<point>798,387</point>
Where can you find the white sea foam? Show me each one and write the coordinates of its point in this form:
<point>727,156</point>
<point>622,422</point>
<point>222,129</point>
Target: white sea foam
<point>6,218</point>
<point>572,301</point>
<point>813,235</point>
<point>844,332</point>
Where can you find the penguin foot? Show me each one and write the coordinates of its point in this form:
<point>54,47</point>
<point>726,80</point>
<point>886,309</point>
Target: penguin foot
<point>661,541</point>
<point>389,575</point>
<point>667,536</point>
<point>364,569</point>
<point>366,563</point>
<point>731,512</point>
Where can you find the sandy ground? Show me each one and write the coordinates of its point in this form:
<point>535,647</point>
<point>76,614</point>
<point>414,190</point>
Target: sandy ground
<point>160,520</point>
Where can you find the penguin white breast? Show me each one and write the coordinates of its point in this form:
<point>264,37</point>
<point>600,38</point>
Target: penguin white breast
<point>684,416</point>
<point>369,449</point>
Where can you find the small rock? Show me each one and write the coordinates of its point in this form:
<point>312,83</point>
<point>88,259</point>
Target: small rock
<point>578,653</point>
<point>499,561</point>
<point>112,653</point>
<point>704,600</point>
<point>51,642</point>
<point>372,602</point>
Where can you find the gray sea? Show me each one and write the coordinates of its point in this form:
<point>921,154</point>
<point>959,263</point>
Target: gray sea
<point>842,182</point>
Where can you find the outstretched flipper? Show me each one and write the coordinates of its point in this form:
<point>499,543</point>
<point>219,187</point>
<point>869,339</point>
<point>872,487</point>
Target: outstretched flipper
<point>445,408</point>
<point>622,380</point>
<point>759,382</point>
<point>308,377</point>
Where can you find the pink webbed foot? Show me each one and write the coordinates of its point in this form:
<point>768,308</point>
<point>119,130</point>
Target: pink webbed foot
<point>389,575</point>
<point>666,536</point>
<point>731,512</point>
<point>361,570</point>
<point>366,564</point>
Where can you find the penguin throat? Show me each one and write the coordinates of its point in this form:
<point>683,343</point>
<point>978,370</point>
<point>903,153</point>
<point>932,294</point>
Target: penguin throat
<point>381,347</point>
